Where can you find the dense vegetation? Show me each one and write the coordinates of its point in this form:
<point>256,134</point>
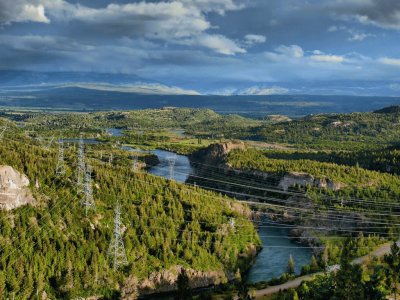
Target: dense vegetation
<point>53,247</point>
<point>376,279</point>
<point>336,131</point>
<point>352,181</point>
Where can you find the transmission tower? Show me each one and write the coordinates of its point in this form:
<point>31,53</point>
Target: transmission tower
<point>60,170</point>
<point>88,201</point>
<point>171,162</point>
<point>116,251</point>
<point>80,170</point>
<point>135,164</point>
<point>110,159</point>
<point>3,130</point>
<point>48,145</point>
<point>232,223</point>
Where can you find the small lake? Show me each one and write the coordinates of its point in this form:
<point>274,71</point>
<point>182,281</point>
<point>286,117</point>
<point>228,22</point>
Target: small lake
<point>115,132</point>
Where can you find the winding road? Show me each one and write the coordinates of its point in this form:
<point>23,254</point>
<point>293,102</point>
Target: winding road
<point>382,250</point>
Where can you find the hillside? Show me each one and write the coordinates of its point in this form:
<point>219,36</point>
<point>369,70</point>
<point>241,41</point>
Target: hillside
<point>54,248</point>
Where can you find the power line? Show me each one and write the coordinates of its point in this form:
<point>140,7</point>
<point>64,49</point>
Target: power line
<point>60,169</point>
<point>88,201</point>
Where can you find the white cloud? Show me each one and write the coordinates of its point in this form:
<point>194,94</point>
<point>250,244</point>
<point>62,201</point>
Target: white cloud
<point>32,13</point>
<point>294,51</point>
<point>181,22</point>
<point>252,39</point>
<point>253,91</point>
<point>263,91</point>
<point>144,88</point>
<point>218,43</point>
<point>355,35</point>
<point>218,6</point>
<point>22,11</point>
<point>358,36</point>
<point>327,58</point>
<point>390,61</point>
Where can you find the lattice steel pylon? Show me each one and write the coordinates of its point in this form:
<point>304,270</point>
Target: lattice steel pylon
<point>2,131</point>
<point>48,145</point>
<point>171,163</point>
<point>60,170</point>
<point>88,200</point>
<point>80,169</point>
<point>110,159</point>
<point>135,163</point>
<point>116,251</point>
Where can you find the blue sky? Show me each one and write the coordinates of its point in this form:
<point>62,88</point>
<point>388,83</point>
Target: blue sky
<point>213,46</point>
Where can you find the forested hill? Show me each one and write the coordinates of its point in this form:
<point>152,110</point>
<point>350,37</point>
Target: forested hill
<point>53,249</point>
<point>336,131</point>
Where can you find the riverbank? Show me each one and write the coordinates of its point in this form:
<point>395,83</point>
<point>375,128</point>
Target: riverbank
<point>260,294</point>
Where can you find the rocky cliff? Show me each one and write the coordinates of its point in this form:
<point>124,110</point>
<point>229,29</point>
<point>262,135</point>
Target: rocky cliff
<point>166,280</point>
<point>215,154</point>
<point>304,179</point>
<point>14,191</point>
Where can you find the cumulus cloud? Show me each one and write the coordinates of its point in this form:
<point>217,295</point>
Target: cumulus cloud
<point>181,22</point>
<point>381,13</point>
<point>290,51</point>
<point>327,58</point>
<point>251,39</point>
<point>218,6</point>
<point>296,54</point>
<point>22,11</point>
<point>390,61</point>
<point>219,43</point>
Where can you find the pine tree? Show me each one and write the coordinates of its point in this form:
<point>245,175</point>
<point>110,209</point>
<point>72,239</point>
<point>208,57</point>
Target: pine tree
<point>349,284</point>
<point>313,264</point>
<point>392,261</point>
<point>290,265</point>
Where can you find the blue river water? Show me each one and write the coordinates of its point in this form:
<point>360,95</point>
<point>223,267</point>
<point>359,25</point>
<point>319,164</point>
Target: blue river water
<point>272,260</point>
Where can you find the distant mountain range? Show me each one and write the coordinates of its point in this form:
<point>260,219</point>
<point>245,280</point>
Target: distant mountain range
<point>125,83</point>
<point>80,91</point>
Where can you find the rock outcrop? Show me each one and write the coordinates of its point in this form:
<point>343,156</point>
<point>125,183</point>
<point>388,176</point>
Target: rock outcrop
<point>14,191</point>
<point>215,154</point>
<point>304,179</point>
<point>166,280</point>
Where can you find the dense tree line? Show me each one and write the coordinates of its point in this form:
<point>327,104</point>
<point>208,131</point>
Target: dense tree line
<point>354,181</point>
<point>377,279</point>
<point>51,246</point>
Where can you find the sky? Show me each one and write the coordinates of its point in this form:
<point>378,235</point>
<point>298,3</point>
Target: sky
<point>256,47</point>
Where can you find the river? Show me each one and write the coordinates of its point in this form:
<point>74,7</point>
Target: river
<point>272,260</point>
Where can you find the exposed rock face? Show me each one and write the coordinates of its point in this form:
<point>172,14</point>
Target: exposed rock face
<point>215,154</point>
<point>166,280</point>
<point>304,179</point>
<point>14,191</point>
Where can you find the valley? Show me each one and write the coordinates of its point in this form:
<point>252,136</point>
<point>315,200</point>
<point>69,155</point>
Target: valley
<point>228,204</point>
